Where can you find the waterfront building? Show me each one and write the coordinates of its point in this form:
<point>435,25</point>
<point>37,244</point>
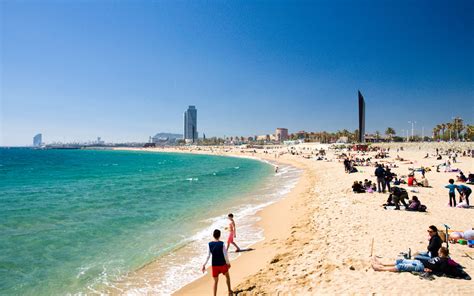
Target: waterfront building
<point>281,134</point>
<point>37,140</point>
<point>190,125</point>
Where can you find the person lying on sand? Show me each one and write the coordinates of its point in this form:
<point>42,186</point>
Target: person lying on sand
<point>439,264</point>
<point>457,235</point>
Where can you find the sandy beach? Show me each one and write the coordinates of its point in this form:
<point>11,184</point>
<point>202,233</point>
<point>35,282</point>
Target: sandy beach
<point>318,239</point>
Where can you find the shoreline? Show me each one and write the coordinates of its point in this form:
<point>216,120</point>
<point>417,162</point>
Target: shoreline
<point>319,239</point>
<point>275,231</point>
<point>264,221</point>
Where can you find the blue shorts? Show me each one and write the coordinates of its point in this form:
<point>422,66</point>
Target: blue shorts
<point>409,265</point>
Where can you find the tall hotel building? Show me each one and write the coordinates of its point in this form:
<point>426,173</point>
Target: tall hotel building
<point>37,140</point>
<point>190,124</point>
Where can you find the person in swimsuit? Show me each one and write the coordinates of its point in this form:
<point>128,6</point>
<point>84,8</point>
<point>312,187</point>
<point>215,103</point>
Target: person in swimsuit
<point>220,261</point>
<point>232,233</point>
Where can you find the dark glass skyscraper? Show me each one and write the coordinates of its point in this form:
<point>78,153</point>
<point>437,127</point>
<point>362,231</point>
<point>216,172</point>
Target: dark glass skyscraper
<point>190,124</point>
<point>361,118</point>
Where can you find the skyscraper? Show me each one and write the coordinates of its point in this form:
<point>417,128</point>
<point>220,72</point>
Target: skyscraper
<point>190,124</point>
<point>37,140</point>
<point>361,118</point>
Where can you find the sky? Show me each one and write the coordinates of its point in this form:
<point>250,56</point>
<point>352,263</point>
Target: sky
<point>125,70</point>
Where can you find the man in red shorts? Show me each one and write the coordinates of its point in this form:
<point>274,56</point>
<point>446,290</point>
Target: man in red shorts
<point>220,261</point>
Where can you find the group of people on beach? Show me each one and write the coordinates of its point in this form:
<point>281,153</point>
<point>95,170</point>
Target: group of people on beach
<point>384,178</point>
<point>398,196</point>
<point>435,260</point>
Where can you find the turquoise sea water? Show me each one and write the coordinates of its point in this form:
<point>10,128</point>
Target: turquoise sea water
<point>73,220</point>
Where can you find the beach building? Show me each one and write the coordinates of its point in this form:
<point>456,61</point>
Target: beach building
<point>266,138</point>
<point>190,125</point>
<point>165,138</point>
<point>37,140</point>
<point>281,134</point>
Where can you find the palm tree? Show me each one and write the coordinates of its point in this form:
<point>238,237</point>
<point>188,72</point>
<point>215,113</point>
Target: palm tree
<point>438,127</point>
<point>443,128</point>
<point>436,132</point>
<point>469,132</point>
<point>458,126</point>
<point>449,126</point>
<point>390,132</point>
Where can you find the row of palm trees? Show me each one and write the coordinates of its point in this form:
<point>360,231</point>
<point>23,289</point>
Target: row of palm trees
<point>455,130</point>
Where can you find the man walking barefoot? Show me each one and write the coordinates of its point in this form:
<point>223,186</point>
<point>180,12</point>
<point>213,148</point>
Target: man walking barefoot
<point>220,261</point>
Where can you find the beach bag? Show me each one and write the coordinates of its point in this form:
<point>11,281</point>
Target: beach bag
<point>422,208</point>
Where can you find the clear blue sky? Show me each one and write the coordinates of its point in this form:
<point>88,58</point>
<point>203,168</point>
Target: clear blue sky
<point>124,70</point>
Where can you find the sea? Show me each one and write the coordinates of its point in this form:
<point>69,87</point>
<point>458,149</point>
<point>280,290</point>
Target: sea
<point>86,222</point>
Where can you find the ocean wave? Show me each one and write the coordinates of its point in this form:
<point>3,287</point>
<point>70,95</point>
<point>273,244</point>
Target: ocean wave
<point>182,264</point>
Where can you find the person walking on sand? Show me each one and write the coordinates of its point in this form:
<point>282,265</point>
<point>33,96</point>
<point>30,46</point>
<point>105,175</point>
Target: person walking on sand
<point>220,261</point>
<point>232,233</point>
<point>380,174</point>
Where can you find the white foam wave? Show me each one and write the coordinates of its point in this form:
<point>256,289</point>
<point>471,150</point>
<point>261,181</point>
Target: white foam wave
<point>180,271</point>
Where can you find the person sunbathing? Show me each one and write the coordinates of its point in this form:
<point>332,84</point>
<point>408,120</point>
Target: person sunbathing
<point>439,264</point>
<point>466,235</point>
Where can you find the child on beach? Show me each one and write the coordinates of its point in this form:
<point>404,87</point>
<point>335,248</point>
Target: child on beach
<point>232,233</point>
<point>452,194</point>
<point>220,261</point>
